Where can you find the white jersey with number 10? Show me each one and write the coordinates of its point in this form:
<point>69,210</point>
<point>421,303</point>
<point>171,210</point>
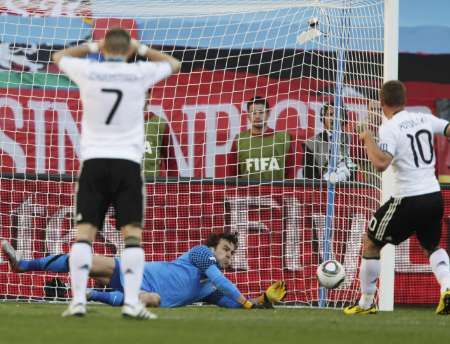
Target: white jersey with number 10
<point>409,138</point>
<point>113,96</point>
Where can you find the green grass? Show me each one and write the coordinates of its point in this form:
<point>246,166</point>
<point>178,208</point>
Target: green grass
<point>42,323</point>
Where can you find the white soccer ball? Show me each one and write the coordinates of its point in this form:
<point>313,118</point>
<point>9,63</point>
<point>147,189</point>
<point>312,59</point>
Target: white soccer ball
<point>330,274</point>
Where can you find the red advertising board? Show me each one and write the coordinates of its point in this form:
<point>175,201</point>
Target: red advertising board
<point>280,230</point>
<point>40,128</point>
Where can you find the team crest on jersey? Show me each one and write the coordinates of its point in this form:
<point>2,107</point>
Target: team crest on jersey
<point>262,164</point>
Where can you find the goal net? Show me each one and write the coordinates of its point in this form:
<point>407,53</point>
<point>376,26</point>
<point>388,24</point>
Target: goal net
<point>292,210</point>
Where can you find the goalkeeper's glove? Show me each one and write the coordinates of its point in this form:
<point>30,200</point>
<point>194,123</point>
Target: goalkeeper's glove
<point>275,293</point>
<point>250,305</point>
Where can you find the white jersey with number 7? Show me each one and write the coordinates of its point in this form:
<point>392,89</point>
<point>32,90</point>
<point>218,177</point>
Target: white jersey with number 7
<point>409,138</point>
<point>113,96</point>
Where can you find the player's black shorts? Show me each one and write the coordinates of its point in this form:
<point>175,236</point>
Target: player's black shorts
<point>110,182</point>
<point>399,218</point>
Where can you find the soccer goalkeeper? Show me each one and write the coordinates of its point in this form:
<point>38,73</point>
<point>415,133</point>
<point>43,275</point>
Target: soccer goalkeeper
<point>195,276</point>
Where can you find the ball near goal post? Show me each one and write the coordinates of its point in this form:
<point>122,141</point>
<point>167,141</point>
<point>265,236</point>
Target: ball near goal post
<point>331,274</point>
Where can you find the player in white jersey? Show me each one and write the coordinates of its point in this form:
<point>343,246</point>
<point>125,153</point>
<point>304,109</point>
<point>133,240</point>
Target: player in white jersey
<point>416,207</point>
<point>113,94</point>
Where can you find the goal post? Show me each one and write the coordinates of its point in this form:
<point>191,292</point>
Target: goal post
<point>390,72</point>
<point>299,55</point>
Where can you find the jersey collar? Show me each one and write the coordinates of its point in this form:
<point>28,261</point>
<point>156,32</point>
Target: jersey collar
<point>267,132</point>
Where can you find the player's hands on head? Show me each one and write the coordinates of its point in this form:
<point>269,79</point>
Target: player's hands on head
<point>134,45</point>
<point>138,48</point>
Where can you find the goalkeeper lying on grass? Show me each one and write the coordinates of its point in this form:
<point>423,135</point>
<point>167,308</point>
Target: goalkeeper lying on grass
<point>193,277</point>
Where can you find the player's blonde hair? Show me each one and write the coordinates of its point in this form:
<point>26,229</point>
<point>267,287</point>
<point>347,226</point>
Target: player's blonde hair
<point>117,41</point>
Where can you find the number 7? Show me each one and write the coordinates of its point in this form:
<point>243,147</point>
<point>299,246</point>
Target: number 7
<point>116,104</point>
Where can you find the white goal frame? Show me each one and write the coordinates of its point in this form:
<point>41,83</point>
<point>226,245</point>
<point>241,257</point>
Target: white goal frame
<point>390,65</point>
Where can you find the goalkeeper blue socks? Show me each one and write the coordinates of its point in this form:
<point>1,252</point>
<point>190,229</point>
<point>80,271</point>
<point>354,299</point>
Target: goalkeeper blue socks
<point>54,263</point>
<point>113,298</point>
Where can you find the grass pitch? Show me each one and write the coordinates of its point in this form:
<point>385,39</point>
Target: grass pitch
<point>42,323</point>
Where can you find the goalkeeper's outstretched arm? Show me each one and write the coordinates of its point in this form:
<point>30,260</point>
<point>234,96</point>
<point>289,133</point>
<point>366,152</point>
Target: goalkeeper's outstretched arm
<point>274,293</point>
<point>225,286</point>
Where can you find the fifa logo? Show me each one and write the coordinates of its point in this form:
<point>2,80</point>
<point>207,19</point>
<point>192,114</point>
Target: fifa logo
<point>261,164</point>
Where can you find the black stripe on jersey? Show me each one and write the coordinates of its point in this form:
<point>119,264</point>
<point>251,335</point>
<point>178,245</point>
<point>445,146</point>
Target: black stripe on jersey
<point>445,129</point>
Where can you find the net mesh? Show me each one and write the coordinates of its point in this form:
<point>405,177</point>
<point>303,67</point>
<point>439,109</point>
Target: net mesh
<point>291,210</point>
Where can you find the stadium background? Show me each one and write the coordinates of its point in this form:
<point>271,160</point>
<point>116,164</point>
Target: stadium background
<point>49,145</point>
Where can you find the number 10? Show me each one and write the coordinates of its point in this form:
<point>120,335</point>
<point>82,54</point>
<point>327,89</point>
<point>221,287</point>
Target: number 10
<point>416,139</point>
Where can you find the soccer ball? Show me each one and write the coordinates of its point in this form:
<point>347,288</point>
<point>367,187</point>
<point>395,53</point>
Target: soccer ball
<point>330,274</point>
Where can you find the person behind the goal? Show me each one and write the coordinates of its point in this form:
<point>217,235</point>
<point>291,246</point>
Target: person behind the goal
<point>261,153</point>
<point>113,94</point>
<point>195,276</point>
<point>405,142</point>
<point>317,150</point>
<point>159,156</point>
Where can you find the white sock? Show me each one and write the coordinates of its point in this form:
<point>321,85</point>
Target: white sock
<point>368,276</point>
<point>80,262</point>
<point>132,267</point>
<point>440,266</point>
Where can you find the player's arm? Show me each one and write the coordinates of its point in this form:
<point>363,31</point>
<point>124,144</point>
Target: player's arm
<point>439,125</point>
<point>381,159</point>
<point>219,299</point>
<point>157,56</point>
<point>225,286</point>
<point>77,51</point>
<point>203,259</point>
<point>274,293</point>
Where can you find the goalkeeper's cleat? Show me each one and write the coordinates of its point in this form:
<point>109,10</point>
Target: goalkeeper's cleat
<point>75,310</point>
<point>138,311</point>
<point>12,255</point>
<point>443,307</point>
<point>358,310</point>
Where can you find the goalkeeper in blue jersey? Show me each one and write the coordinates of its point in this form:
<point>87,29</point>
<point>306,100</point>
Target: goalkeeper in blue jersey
<point>195,276</point>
